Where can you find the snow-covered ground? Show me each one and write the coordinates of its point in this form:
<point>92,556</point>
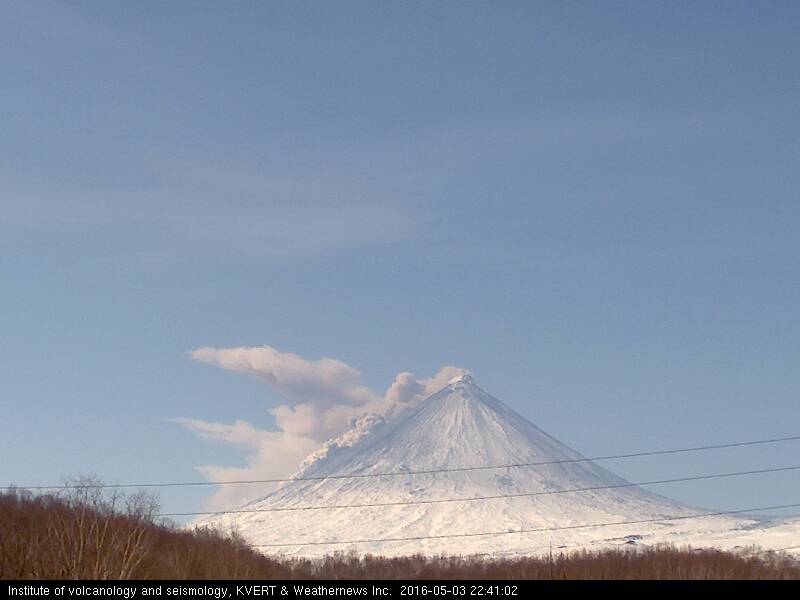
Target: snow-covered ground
<point>462,426</point>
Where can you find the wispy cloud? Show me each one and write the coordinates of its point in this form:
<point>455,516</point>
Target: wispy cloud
<point>325,399</point>
<point>327,380</point>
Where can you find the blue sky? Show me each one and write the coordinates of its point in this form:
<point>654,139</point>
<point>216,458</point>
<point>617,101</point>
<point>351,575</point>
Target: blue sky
<point>592,206</point>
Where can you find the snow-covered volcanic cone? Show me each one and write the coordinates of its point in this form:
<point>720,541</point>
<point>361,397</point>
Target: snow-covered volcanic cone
<point>458,427</point>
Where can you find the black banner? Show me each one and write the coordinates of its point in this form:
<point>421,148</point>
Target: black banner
<point>222,590</point>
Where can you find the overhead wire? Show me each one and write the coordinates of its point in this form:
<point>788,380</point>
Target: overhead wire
<point>671,451</point>
<point>488,497</point>
<point>534,530</point>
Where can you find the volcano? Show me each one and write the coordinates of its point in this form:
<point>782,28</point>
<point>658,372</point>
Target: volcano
<point>455,475</point>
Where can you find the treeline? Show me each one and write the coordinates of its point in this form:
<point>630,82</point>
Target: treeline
<point>90,533</point>
<point>648,563</point>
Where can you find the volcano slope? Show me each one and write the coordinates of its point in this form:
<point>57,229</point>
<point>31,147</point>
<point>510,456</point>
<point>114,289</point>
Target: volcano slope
<point>418,467</point>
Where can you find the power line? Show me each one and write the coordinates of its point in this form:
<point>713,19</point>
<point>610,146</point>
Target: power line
<point>420,472</point>
<point>537,530</point>
<point>476,498</point>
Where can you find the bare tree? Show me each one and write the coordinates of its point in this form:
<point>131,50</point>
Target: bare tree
<point>100,533</point>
